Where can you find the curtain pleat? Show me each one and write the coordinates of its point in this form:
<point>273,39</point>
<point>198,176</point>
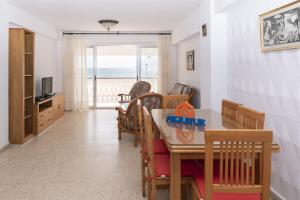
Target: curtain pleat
<point>75,73</point>
<point>164,42</point>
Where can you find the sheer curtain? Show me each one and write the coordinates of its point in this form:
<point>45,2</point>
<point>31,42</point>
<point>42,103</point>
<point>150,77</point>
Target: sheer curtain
<point>164,42</point>
<point>75,73</point>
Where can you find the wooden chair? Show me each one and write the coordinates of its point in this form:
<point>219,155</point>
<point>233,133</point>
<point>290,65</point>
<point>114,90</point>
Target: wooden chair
<point>250,119</point>
<point>230,109</point>
<point>235,179</point>
<point>128,119</point>
<point>158,147</point>
<point>171,101</point>
<point>138,89</point>
<point>159,164</point>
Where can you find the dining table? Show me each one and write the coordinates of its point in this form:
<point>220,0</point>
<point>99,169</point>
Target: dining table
<point>186,142</point>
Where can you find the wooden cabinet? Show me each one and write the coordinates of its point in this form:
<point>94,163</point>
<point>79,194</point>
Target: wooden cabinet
<point>48,111</point>
<point>21,85</point>
<point>58,106</point>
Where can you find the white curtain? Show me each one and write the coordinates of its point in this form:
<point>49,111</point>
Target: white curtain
<point>75,73</point>
<point>164,42</point>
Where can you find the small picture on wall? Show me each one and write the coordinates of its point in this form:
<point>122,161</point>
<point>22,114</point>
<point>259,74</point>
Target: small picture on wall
<point>204,30</point>
<point>190,60</point>
<point>280,28</point>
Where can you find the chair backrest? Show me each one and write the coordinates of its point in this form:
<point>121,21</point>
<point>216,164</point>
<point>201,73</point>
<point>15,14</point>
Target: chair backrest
<point>250,119</point>
<point>182,89</point>
<point>140,88</point>
<point>149,136</point>
<point>171,101</point>
<point>230,109</point>
<point>237,151</point>
<point>151,101</point>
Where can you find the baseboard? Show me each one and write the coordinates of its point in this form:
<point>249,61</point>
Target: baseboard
<point>4,147</point>
<point>275,195</point>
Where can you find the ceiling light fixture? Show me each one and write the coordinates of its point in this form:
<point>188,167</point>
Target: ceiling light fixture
<point>108,23</point>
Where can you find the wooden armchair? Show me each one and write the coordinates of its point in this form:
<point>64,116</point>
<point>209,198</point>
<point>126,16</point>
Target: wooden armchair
<point>182,89</point>
<point>140,88</point>
<point>128,119</point>
<point>235,152</point>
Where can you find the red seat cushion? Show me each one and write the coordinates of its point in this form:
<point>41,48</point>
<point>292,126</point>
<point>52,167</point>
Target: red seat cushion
<point>199,178</point>
<point>159,147</point>
<point>162,166</point>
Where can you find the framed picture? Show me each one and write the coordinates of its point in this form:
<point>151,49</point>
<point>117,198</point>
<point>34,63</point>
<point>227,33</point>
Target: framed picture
<point>280,28</point>
<point>190,60</point>
<point>204,30</point>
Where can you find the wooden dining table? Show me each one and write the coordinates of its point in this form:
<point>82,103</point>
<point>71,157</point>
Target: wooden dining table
<point>187,141</point>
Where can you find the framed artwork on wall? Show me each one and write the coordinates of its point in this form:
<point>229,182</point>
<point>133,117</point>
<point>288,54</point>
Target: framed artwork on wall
<point>280,28</point>
<point>190,61</point>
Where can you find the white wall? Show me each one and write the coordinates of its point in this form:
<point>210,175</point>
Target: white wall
<point>183,75</point>
<point>3,75</point>
<point>45,36</point>
<point>269,82</point>
<point>188,35</point>
<point>47,63</point>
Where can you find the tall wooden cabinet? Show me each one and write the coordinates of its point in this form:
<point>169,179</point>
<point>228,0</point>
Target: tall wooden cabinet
<point>21,85</point>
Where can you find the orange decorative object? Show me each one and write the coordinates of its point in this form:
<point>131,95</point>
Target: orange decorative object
<point>185,136</point>
<point>185,110</point>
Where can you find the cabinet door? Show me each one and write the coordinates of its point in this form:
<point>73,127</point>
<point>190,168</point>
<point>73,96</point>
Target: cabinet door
<point>58,107</point>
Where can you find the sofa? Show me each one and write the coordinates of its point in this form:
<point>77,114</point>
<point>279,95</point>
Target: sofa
<point>182,89</point>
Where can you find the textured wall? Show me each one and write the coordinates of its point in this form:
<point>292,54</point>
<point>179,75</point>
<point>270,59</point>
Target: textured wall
<point>269,82</point>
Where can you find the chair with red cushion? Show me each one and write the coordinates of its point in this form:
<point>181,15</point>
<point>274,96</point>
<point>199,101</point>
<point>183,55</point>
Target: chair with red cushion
<point>236,178</point>
<point>159,147</point>
<point>159,164</point>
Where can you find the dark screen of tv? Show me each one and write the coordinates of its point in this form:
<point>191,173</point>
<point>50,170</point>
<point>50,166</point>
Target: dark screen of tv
<point>46,86</point>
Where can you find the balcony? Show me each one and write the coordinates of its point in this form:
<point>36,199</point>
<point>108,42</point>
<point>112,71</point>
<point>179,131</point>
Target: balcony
<point>107,90</point>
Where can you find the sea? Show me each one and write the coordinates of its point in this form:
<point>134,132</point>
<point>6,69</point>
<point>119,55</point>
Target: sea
<point>120,73</point>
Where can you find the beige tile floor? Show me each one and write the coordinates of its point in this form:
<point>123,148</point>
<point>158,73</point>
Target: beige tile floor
<point>78,158</point>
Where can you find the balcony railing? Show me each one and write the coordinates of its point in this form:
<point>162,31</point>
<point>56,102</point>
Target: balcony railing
<point>109,88</point>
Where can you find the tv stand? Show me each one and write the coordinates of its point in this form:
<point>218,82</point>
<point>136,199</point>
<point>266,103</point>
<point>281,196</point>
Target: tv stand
<point>47,111</point>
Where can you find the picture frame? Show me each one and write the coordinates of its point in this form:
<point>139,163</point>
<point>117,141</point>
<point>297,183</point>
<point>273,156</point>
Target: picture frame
<point>204,30</point>
<point>190,60</point>
<point>280,28</point>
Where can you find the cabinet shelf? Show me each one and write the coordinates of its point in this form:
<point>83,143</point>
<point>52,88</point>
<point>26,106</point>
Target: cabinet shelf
<point>21,85</point>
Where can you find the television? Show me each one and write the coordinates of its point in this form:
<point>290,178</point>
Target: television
<point>47,86</point>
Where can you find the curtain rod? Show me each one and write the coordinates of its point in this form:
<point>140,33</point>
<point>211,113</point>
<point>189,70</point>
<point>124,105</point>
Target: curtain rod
<point>117,33</point>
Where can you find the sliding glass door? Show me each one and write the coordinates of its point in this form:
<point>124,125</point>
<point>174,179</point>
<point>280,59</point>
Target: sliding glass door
<point>148,66</point>
<point>113,70</point>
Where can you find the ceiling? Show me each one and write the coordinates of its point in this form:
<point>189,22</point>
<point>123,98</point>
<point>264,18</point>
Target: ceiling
<point>134,15</point>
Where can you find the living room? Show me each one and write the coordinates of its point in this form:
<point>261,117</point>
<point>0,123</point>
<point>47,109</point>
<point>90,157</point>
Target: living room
<point>76,78</point>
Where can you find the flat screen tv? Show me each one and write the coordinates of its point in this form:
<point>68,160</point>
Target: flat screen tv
<point>47,86</point>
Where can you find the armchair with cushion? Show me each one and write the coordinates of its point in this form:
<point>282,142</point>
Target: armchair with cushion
<point>182,89</point>
<point>138,89</point>
<point>128,119</point>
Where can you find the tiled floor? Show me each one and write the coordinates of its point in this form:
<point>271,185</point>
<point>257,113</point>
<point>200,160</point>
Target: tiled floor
<point>79,158</point>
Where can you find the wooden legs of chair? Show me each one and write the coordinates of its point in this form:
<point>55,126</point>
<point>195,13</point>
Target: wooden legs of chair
<point>144,178</point>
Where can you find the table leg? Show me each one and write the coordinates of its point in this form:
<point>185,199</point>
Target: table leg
<point>175,178</point>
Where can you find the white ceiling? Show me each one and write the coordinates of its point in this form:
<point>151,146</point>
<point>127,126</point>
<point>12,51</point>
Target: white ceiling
<point>134,15</point>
